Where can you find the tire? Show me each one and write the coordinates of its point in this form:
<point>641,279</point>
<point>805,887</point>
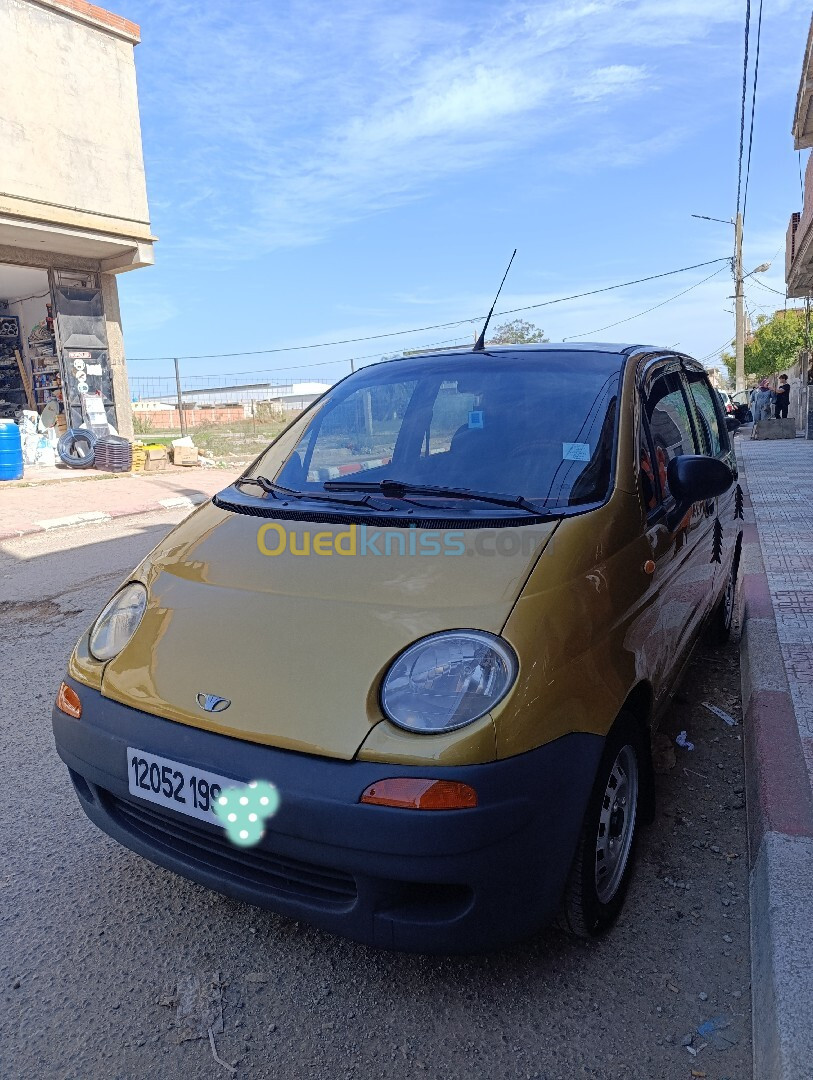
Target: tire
<point>722,618</point>
<point>602,866</point>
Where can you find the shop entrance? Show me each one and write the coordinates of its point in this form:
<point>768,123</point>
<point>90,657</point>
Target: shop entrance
<point>53,344</point>
<point>30,371</point>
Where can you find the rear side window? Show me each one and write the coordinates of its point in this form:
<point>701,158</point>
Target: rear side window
<point>711,430</point>
<point>669,425</point>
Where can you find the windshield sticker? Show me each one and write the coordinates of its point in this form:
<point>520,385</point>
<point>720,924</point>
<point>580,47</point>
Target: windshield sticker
<point>476,419</point>
<point>575,451</point>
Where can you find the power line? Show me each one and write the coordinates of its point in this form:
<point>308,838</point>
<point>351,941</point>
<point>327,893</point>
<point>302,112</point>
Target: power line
<point>654,307</point>
<point>726,345</point>
<point>753,109</point>
<point>271,371</point>
<point>744,95</point>
<point>434,326</point>
<point>22,299</point>
<point>770,288</point>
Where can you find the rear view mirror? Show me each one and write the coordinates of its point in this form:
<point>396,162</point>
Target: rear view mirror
<point>695,478</point>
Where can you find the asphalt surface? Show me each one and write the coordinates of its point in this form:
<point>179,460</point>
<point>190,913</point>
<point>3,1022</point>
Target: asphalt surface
<point>106,961</point>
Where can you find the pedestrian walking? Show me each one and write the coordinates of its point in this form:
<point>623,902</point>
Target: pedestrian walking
<point>761,404</point>
<point>782,397</point>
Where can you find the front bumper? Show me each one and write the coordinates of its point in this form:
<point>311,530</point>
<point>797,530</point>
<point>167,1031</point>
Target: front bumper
<point>421,881</point>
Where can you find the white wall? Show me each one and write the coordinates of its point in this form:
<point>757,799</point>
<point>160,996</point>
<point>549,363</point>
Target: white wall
<point>69,125</point>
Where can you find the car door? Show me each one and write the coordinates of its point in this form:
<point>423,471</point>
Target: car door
<point>680,577</point>
<point>716,442</point>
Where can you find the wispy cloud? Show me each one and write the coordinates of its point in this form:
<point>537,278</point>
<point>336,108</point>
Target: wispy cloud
<point>301,117</point>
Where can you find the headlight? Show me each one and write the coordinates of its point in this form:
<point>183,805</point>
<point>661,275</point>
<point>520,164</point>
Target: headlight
<point>448,680</point>
<point>118,622</point>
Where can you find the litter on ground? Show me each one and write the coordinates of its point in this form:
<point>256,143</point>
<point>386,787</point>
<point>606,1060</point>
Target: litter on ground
<point>724,716</point>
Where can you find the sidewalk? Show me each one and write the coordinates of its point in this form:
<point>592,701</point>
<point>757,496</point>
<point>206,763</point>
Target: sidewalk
<point>56,498</point>
<point>777,699</point>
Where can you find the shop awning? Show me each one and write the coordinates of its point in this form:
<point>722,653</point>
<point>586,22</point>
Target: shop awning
<point>118,244</point>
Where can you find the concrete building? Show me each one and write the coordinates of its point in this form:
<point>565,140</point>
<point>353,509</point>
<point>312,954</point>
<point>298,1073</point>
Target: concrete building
<point>799,245</point>
<point>73,204</point>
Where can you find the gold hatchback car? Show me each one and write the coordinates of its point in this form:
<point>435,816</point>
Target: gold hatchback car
<point>400,679</point>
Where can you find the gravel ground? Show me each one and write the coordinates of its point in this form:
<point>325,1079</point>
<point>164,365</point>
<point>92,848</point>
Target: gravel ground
<point>102,952</point>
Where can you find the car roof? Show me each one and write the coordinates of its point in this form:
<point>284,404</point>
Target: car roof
<point>558,346</point>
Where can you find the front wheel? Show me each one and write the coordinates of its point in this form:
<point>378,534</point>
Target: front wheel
<point>722,618</point>
<point>602,866</point>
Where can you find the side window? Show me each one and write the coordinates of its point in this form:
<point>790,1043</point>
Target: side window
<point>670,428</point>
<point>712,430</point>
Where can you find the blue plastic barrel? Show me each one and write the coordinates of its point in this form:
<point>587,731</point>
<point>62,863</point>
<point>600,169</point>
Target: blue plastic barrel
<point>11,451</point>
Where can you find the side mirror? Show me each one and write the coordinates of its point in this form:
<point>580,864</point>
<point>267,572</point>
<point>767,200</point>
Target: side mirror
<point>696,478</point>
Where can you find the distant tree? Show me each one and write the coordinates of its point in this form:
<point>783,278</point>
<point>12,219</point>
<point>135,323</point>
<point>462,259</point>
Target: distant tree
<point>775,345</point>
<point>517,332</point>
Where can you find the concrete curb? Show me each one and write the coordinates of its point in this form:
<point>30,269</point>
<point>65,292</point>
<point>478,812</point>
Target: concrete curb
<point>98,517</point>
<point>780,832</point>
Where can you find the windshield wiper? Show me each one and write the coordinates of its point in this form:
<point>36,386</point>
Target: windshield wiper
<point>280,492</point>
<point>398,489</point>
<point>268,486</point>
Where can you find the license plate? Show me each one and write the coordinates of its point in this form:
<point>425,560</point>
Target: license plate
<point>174,785</point>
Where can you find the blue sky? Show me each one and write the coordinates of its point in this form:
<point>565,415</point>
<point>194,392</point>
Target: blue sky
<point>319,172</point>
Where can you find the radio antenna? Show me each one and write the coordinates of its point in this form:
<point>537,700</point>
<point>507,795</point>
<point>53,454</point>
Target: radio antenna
<point>480,344</point>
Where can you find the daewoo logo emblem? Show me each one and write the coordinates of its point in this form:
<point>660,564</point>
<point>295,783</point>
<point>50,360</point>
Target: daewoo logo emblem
<point>213,703</point>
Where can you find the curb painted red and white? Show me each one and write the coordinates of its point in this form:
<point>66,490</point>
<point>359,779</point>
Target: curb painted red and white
<point>780,832</point>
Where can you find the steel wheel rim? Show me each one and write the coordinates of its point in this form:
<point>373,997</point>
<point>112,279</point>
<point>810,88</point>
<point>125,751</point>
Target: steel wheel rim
<point>616,826</point>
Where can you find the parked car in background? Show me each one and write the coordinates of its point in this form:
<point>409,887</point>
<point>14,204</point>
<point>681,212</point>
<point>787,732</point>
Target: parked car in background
<point>742,406</point>
<point>732,421</point>
<point>442,615</point>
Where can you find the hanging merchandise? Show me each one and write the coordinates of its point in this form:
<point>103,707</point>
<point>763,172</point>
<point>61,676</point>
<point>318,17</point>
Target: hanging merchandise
<point>82,334</point>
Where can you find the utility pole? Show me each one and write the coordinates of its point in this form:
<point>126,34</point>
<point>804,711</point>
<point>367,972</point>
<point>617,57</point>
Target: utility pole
<point>739,314</point>
<point>180,399</point>
<point>739,296</point>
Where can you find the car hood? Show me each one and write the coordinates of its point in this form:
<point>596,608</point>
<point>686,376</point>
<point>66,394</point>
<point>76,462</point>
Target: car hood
<point>298,644</point>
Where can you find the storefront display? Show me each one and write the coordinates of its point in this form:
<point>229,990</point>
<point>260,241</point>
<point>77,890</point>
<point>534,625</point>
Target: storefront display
<point>53,346</point>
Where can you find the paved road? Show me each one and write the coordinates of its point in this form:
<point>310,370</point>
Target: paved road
<point>96,943</point>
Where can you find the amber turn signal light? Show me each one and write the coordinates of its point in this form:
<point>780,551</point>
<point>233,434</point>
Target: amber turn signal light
<point>416,794</point>
<point>67,701</point>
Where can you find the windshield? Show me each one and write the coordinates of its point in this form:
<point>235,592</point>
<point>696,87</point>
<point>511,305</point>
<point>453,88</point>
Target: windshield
<point>539,425</point>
